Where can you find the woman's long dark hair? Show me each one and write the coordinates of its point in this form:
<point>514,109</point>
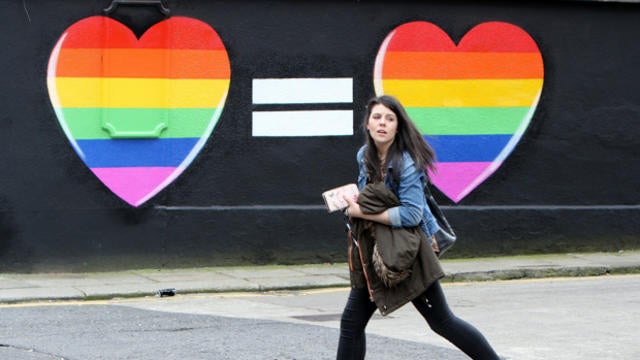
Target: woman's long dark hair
<point>408,138</point>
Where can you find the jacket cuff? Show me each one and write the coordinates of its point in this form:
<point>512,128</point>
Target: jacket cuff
<point>394,217</point>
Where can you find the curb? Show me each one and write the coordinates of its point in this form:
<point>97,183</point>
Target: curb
<point>23,288</point>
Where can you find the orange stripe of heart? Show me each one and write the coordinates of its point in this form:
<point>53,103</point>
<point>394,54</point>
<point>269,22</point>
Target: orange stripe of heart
<point>461,65</point>
<point>144,63</point>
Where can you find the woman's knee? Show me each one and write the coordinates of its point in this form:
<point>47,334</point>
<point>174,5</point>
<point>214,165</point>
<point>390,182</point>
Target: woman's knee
<point>434,308</point>
<point>357,312</point>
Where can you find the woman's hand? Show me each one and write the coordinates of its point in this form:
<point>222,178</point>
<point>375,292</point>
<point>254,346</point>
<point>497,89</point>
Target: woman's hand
<point>353,209</point>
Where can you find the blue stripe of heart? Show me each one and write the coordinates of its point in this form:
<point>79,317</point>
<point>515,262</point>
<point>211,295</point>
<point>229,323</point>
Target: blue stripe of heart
<point>136,152</point>
<point>467,148</point>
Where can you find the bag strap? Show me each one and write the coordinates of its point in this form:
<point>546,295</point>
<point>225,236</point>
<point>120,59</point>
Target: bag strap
<point>349,230</point>
<point>436,211</point>
<point>427,191</point>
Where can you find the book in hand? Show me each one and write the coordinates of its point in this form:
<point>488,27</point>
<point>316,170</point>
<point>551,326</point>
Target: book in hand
<point>334,198</point>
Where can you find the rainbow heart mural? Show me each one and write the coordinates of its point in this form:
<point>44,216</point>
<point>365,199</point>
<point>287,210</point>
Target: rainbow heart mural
<point>137,112</point>
<point>472,101</point>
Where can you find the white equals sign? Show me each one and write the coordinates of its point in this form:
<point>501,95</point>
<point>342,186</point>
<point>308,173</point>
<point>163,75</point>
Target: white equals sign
<point>302,107</point>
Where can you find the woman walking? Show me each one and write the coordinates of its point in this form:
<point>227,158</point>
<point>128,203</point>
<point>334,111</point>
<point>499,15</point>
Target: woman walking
<point>392,253</point>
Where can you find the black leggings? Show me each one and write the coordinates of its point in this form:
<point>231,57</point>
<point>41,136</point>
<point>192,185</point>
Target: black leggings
<point>432,306</point>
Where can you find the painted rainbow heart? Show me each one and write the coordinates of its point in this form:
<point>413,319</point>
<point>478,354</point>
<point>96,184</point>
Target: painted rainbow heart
<point>472,102</point>
<point>137,112</point>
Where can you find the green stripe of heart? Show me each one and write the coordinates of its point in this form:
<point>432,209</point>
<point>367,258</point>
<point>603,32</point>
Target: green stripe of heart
<point>85,123</point>
<point>468,120</point>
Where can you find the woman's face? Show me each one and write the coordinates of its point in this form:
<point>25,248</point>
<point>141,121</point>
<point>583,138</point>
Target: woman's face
<point>382,125</point>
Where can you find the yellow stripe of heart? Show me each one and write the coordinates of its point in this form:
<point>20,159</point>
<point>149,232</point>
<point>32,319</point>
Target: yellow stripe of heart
<point>140,93</point>
<point>463,93</point>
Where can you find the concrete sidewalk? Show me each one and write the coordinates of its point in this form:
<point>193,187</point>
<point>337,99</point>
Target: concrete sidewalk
<point>16,288</point>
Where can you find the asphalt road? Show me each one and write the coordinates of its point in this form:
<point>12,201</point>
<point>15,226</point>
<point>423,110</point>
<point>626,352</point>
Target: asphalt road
<point>567,318</point>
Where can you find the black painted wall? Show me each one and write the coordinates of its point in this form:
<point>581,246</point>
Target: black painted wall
<point>571,184</point>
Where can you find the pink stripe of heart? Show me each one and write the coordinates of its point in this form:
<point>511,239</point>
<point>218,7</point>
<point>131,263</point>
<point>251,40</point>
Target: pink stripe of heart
<point>136,185</point>
<point>457,179</point>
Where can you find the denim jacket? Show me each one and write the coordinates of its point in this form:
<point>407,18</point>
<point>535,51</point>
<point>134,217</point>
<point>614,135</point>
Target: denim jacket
<point>413,210</point>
